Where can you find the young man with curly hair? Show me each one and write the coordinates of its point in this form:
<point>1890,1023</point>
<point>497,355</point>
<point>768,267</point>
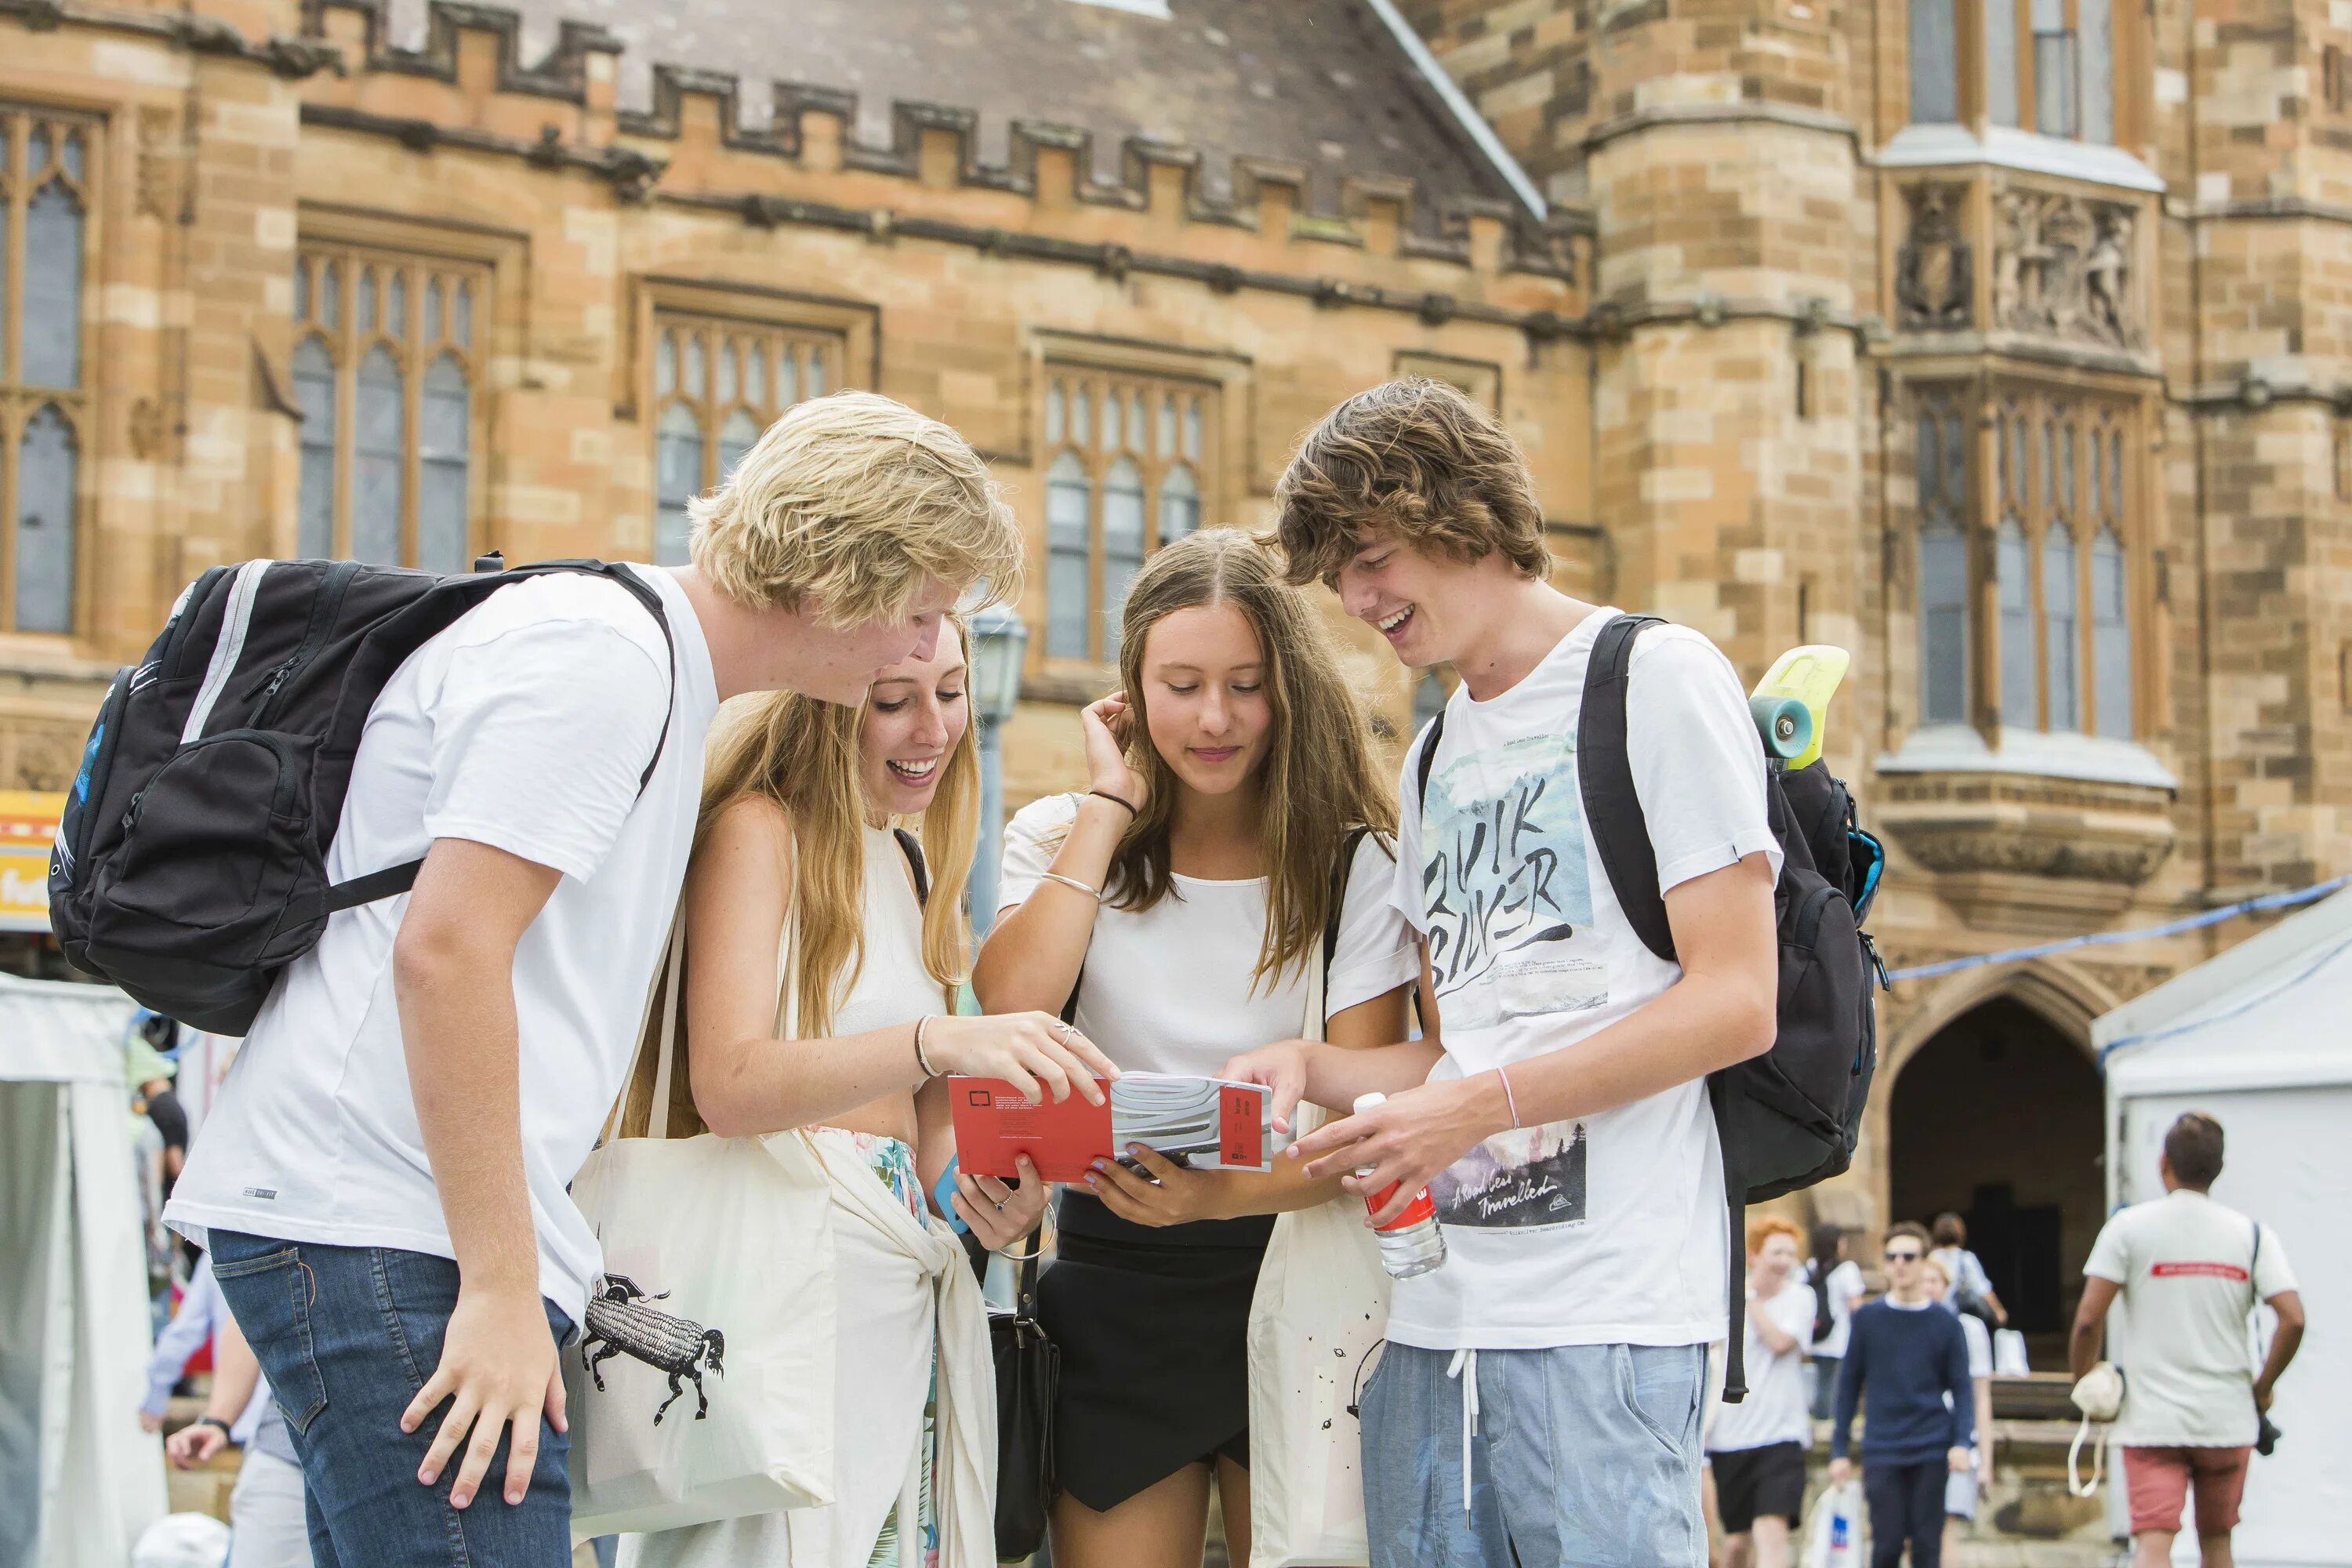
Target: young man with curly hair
<point>1539,1404</point>
<point>382,1186</point>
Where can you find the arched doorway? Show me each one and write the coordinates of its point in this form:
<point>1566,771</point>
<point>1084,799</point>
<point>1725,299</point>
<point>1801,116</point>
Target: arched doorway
<point>1997,1117</point>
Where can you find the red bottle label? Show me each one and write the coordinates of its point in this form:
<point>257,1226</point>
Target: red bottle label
<point>1422,1207</point>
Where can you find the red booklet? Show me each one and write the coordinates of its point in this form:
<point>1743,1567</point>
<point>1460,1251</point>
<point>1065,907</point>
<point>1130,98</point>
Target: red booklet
<point>1208,1123</point>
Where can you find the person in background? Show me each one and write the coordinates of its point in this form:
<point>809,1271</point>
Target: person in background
<point>193,1326</point>
<point>1838,1288</point>
<point>1962,1492</point>
<point>1756,1447</point>
<point>1972,1292</point>
<point>267,1517</point>
<point>1911,1361</point>
<point>153,1072</point>
<point>1177,903</point>
<point>2188,1272</point>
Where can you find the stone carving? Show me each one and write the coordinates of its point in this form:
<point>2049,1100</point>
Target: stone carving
<point>2062,268</point>
<point>1935,279</point>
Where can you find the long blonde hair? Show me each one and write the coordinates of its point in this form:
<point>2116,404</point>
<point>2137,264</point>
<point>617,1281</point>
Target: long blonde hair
<point>1317,782</point>
<point>802,754</point>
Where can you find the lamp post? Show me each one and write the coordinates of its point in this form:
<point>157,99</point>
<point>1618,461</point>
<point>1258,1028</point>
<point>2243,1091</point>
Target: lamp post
<point>999,638</point>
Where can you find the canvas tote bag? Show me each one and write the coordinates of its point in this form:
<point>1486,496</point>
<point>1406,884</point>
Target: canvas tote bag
<point>1320,1308</point>
<point>701,1385</point>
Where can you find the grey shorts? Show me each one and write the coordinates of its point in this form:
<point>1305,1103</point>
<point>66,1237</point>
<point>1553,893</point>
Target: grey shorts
<point>1579,1457</point>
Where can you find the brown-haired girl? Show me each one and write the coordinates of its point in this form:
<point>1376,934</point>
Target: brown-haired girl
<point>1233,810</point>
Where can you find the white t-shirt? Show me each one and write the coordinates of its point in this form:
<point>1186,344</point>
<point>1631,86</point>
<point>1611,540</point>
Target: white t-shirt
<point>1846,1287</point>
<point>1168,989</point>
<point>1775,1410</point>
<point>525,727</point>
<point>1611,1229</point>
<point>2179,1326</point>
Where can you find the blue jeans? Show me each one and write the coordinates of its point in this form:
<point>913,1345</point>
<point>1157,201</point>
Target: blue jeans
<point>1579,1457</point>
<point>346,1336</point>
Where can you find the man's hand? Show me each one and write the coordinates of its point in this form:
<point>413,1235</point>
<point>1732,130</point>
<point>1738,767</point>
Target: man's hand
<point>1959,1459</point>
<point>150,1422</point>
<point>1840,1471</point>
<point>498,1369</point>
<point>2263,1394</point>
<point>194,1443</point>
<point>1405,1142</point>
<point>1001,1215</point>
<point>1984,1469</point>
<point>1162,1193</point>
<point>1282,1067</point>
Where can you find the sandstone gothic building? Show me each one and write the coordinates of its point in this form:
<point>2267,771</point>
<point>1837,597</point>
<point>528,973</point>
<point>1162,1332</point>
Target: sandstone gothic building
<point>2005,343</point>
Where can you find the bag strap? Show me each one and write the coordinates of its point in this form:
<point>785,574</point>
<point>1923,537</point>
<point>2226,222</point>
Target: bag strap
<point>2075,1486</point>
<point>1434,733</point>
<point>912,847</point>
<point>1614,818</point>
<point>673,1004</point>
<point>426,617</point>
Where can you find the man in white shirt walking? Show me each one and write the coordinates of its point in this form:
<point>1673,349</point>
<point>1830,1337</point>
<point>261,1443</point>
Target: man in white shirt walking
<point>2188,1273</point>
<point>383,1184</point>
<point>1557,1107</point>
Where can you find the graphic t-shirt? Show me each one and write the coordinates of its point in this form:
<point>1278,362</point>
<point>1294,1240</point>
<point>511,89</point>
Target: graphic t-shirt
<point>1608,1229</point>
<point>2180,1326</point>
<point>1775,1410</point>
<point>525,726</point>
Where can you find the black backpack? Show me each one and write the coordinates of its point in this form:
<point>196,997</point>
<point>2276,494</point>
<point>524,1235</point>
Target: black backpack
<point>1788,1118</point>
<point>190,864</point>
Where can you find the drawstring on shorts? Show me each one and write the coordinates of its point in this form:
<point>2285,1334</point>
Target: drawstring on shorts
<point>1464,1365</point>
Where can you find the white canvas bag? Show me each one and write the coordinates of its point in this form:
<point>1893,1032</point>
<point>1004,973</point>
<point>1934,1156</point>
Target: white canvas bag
<point>717,1295</point>
<point>1320,1308</point>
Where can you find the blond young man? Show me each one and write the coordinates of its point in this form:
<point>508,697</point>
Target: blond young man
<point>1557,1106</point>
<point>384,1181</point>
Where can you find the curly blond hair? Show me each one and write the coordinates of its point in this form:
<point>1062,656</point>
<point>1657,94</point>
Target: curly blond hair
<point>852,501</point>
<point>1415,459</point>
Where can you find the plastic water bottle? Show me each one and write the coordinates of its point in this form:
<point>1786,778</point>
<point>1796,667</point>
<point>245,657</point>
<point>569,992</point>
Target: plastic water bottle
<point>1410,1244</point>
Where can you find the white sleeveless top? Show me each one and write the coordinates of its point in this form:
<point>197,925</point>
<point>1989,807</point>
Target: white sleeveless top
<point>892,986</point>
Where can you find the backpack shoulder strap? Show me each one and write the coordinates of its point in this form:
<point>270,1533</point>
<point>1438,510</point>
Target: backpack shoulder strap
<point>911,846</point>
<point>1341,876</point>
<point>427,617</point>
<point>1434,733</point>
<point>1614,818</point>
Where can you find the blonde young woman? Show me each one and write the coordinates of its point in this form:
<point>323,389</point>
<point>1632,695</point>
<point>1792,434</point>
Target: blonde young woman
<point>802,906</point>
<point>1181,899</point>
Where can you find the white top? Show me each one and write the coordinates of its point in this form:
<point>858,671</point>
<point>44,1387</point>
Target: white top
<point>1168,989</point>
<point>524,726</point>
<point>1979,1340</point>
<point>1775,1410</point>
<point>892,986</point>
<point>1846,1290</point>
<point>1610,1229</point>
<point>1966,1270</point>
<point>2179,1327</point>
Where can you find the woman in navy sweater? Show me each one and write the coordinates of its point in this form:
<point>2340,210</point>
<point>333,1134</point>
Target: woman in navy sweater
<point>1907,1365</point>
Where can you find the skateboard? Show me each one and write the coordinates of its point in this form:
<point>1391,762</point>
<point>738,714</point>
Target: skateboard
<point>1792,703</point>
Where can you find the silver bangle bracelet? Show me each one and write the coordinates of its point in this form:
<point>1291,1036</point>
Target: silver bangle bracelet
<point>1092,892</point>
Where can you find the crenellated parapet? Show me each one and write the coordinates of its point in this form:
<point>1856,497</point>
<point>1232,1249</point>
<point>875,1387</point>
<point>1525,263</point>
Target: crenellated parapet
<point>469,85</point>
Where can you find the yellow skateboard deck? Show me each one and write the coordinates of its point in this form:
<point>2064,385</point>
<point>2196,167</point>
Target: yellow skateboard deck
<point>1792,703</point>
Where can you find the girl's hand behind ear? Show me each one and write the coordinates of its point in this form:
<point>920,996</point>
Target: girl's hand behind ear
<point>1109,728</point>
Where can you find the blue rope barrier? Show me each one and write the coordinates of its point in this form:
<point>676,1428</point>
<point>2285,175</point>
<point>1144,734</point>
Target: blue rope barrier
<point>2334,952</point>
<point>2110,938</point>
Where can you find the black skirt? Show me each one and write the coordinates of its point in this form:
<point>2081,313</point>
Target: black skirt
<point>1153,1327</point>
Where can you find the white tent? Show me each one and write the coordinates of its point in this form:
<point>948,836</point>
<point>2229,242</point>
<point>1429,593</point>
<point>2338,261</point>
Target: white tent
<point>2261,1038</point>
<point>79,1480</point>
